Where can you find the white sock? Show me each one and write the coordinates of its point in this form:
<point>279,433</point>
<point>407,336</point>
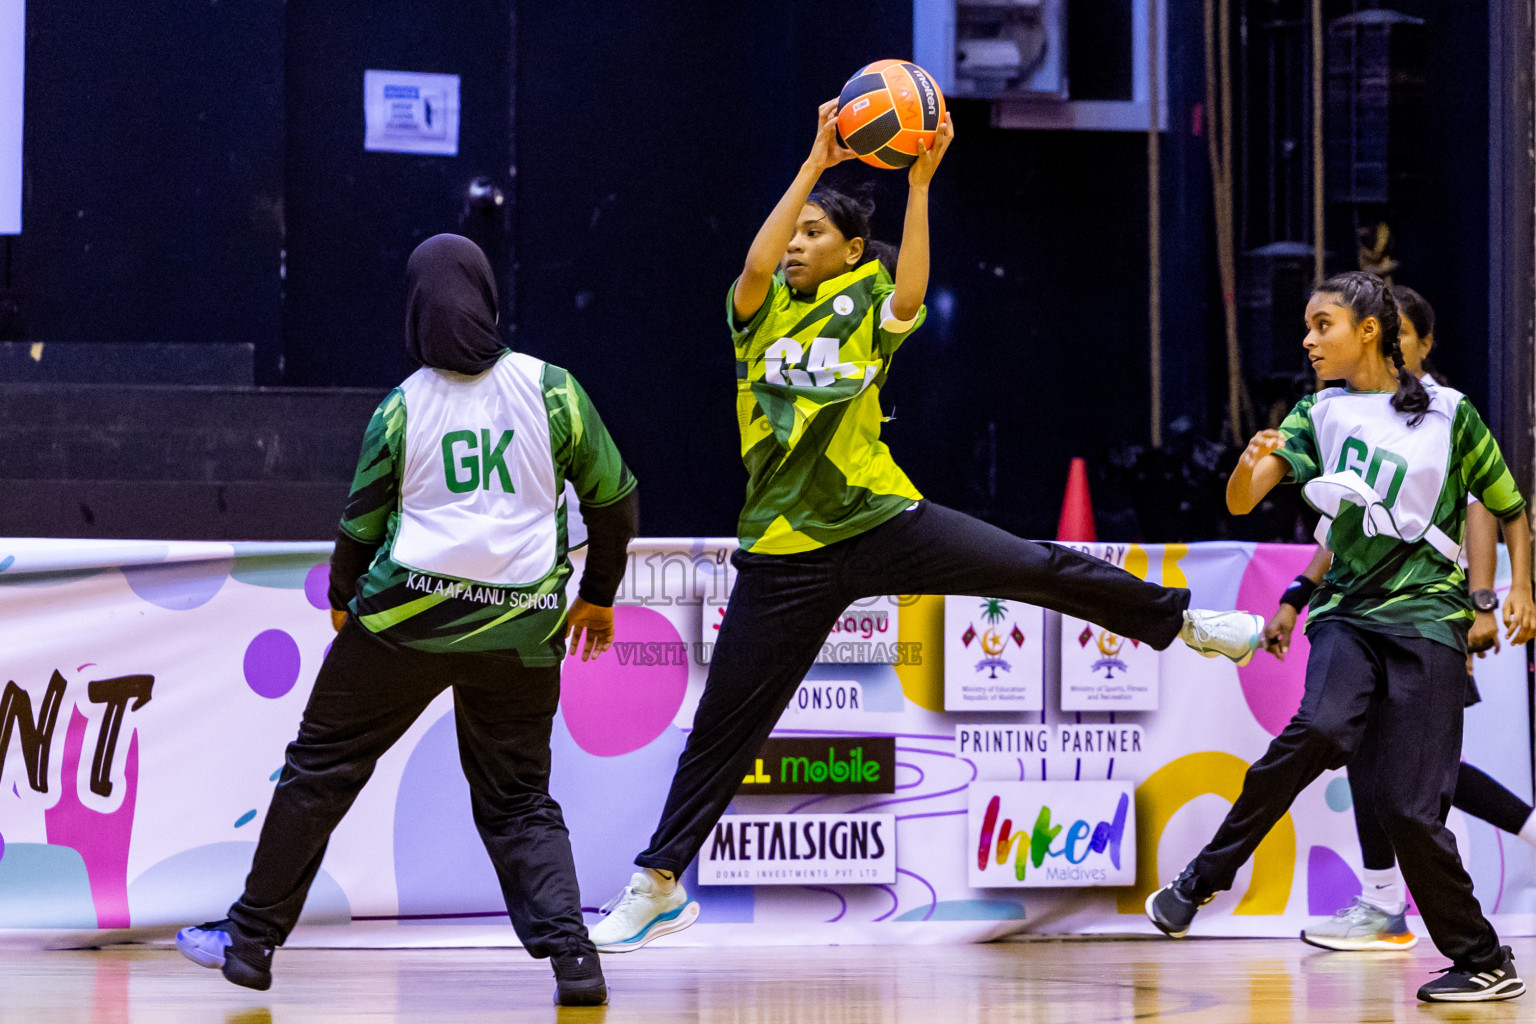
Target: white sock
<point>1528,830</point>
<point>664,881</point>
<point>1384,889</point>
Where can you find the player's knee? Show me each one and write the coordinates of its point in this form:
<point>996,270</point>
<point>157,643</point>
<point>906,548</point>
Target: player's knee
<point>1331,741</point>
<point>1406,816</point>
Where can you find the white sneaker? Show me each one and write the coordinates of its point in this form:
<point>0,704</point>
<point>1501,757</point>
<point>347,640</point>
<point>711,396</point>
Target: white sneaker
<point>1362,925</point>
<point>1234,635</point>
<point>641,913</point>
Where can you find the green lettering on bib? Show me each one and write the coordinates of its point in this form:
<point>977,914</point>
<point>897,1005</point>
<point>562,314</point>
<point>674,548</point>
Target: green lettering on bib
<point>1399,474</point>
<point>495,458</point>
<point>452,462</point>
<point>1356,457</point>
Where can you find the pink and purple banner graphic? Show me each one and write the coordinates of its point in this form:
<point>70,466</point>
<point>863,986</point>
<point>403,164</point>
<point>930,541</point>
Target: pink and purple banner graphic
<point>150,688</point>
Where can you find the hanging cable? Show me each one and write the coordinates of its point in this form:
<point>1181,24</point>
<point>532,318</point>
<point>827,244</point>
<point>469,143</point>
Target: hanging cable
<point>1154,228</point>
<point>1317,141</point>
<point>1218,79</point>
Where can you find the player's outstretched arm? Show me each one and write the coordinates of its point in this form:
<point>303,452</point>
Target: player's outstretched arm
<point>912,263</point>
<point>1519,610</point>
<point>1482,564</point>
<point>774,236</point>
<point>1257,472</point>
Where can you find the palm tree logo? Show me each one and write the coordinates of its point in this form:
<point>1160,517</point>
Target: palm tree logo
<point>993,611</point>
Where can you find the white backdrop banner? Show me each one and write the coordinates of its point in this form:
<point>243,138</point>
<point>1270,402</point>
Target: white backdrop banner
<point>149,690</point>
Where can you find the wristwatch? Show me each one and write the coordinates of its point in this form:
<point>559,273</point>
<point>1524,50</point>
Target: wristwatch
<point>1485,600</point>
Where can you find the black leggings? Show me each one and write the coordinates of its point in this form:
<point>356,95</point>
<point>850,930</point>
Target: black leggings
<point>1391,707</point>
<point>783,606</point>
<point>365,697</point>
<point>1476,793</point>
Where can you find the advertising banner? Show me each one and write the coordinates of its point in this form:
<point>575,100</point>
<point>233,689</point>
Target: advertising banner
<point>835,764</point>
<point>800,849</point>
<point>1052,834</point>
<point>148,690</point>
<point>865,634</point>
<point>1101,671</point>
<point>994,653</point>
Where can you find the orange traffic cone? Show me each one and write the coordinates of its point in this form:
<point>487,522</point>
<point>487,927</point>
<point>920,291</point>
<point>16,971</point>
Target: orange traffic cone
<point>1076,507</point>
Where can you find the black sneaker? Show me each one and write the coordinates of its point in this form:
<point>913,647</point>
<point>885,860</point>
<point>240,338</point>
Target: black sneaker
<point>1463,983</point>
<point>1173,907</point>
<point>221,944</point>
<point>579,980</point>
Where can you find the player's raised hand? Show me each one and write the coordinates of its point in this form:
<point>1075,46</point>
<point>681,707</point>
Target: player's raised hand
<point>921,172</point>
<point>1277,631</point>
<point>1265,442</point>
<point>594,620</point>
<point>827,150</point>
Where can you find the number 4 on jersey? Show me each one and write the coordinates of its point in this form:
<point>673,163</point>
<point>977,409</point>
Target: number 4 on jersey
<point>781,359</point>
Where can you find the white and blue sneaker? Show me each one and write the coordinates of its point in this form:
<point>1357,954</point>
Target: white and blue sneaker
<point>204,944</point>
<point>642,912</point>
<point>1233,635</point>
<point>221,945</point>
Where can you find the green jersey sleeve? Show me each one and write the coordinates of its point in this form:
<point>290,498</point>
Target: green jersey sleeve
<point>1482,464</point>
<point>376,484</point>
<point>890,333</point>
<point>1300,451</point>
<point>584,450</point>
<point>741,331</point>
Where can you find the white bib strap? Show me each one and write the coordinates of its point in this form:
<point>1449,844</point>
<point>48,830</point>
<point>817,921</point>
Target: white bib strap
<point>1441,542</point>
<point>1329,493</point>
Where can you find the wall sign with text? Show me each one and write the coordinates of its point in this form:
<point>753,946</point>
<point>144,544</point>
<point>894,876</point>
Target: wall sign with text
<point>994,655</point>
<point>800,849</point>
<point>823,764</point>
<point>1052,834</point>
<point>865,634</point>
<point>1102,671</point>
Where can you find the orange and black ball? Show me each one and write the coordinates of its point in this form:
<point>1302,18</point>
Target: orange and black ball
<point>884,111</point>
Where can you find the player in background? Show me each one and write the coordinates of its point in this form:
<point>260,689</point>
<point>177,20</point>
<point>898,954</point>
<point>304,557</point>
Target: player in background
<point>1377,918</point>
<point>450,573</point>
<point>829,518</point>
<point>1389,464</point>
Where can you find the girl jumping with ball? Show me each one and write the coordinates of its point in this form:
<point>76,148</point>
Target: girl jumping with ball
<point>829,518</point>
<point>1389,464</point>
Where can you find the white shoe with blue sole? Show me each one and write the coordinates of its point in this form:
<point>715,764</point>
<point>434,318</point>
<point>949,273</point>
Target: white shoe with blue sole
<point>222,946</point>
<point>204,944</point>
<point>643,912</point>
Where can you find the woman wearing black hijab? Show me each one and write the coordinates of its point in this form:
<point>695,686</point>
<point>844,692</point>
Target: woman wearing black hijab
<point>450,570</point>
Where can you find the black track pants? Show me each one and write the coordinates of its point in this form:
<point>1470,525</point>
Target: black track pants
<point>1477,794</point>
<point>783,606</point>
<point>366,695</point>
<point>1391,708</point>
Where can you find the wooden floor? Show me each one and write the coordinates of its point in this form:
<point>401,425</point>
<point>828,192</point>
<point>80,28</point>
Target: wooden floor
<point>1214,980</point>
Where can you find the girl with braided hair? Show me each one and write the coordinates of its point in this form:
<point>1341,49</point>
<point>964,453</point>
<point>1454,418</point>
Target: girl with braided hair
<point>1389,464</point>
<point>1376,919</point>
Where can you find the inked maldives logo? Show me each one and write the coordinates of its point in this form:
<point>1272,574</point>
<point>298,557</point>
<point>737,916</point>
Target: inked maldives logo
<point>1033,847</point>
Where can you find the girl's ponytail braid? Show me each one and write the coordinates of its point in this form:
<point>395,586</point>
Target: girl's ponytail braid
<point>1411,397</point>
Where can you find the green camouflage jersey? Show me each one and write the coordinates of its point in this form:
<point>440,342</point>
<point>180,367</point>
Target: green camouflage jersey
<point>461,486</point>
<point>1380,582</point>
<point>808,375</point>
